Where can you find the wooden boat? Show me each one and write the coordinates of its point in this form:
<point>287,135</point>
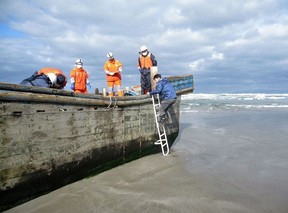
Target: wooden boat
<point>50,138</point>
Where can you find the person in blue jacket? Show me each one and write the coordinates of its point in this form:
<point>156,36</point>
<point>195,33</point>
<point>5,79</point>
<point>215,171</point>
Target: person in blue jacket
<point>167,94</point>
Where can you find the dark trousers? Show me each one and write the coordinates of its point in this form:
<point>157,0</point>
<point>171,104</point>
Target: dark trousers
<point>165,105</point>
<point>145,81</point>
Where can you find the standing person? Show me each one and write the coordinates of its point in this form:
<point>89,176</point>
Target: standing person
<point>113,69</point>
<point>167,93</point>
<point>47,77</point>
<point>79,78</point>
<point>145,61</point>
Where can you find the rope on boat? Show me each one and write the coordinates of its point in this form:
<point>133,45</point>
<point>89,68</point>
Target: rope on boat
<point>111,101</point>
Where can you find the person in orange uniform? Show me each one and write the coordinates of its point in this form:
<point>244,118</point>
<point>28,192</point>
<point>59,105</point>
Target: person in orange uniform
<point>79,78</point>
<point>113,69</point>
<point>145,61</point>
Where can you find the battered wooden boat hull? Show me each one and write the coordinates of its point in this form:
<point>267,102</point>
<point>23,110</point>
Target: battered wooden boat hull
<point>50,138</point>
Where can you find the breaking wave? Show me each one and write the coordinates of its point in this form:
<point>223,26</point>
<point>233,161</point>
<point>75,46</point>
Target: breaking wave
<point>208,102</point>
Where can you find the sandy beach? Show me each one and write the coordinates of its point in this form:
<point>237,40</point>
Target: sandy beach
<point>224,161</point>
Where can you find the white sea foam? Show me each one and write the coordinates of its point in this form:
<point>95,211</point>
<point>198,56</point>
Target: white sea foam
<point>226,101</point>
<point>238,96</point>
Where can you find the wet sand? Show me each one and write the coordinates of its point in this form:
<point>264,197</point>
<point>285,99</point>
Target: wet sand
<point>221,162</point>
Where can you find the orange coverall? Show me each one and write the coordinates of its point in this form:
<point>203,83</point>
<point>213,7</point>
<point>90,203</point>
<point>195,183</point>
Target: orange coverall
<point>79,76</point>
<point>112,69</point>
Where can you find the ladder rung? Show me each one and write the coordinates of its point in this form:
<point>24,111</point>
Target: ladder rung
<point>157,142</point>
<point>160,143</point>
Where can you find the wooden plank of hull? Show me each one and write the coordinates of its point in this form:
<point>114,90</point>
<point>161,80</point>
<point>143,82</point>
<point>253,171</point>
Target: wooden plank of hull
<point>153,71</point>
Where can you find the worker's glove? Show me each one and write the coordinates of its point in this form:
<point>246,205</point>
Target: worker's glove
<point>89,85</point>
<point>72,86</point>
<point>109,73</point>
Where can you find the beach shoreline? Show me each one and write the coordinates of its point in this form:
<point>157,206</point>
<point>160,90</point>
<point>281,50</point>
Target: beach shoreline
<point>224,161</point>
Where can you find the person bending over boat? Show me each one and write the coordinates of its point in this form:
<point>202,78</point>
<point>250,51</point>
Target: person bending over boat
<point>145,61</point>
<point>167,94</point>
<point>113,69</point>
<point>79,78</point>
<point>47,77</point>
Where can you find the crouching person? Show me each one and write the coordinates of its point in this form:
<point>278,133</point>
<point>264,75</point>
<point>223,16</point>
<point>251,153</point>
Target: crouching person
<point>47,77</point>
<point>167,95</point>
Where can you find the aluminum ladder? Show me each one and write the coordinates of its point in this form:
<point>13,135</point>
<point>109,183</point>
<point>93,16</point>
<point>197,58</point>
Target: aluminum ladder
<point>160,127</point>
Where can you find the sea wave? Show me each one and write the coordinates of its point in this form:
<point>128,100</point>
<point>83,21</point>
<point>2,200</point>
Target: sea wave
<point>196,102</point>
<point>238,96</point>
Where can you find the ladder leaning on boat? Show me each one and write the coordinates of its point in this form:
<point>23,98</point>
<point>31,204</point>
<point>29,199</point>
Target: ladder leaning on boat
<point>160,127</point>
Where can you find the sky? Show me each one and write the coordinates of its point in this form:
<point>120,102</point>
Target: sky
<point>230,46</point>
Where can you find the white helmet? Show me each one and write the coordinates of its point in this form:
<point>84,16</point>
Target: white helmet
<point>110,55</point>
<point>79,61</point>
<point>143,48</point>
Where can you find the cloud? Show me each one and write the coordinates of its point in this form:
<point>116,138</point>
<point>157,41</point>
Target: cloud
<point>197,65</point>
<point>274,31</point>
<point>225,44</point>
<point>173,16</point>
<point>217,56</point>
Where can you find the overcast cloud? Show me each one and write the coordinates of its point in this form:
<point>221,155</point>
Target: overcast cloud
<point>230,46</point>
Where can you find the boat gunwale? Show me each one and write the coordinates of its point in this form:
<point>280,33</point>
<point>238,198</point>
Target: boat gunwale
<point>32,94</point>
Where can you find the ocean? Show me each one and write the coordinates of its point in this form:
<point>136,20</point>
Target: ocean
<point>210,102</point>
<point>231,155</point>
